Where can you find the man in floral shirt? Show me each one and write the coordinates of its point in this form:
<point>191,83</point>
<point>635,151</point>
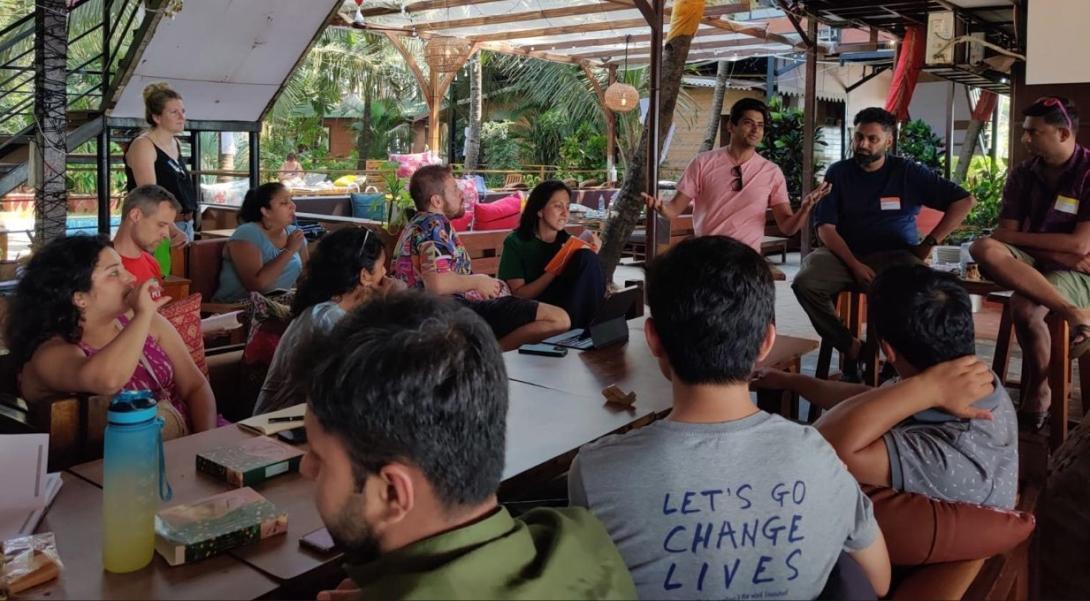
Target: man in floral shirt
<point>429,255</point>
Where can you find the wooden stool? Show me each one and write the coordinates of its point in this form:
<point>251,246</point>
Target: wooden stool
<point>851,305</point>
<point>1059,368</point>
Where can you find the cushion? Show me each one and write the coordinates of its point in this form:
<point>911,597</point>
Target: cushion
<point>185,315</point>
<point>370,205</point>
<point>469,201</point>
<point>921,530</point>
<point>503,214</point>
<point>267,318</point>
<point>407,164</point>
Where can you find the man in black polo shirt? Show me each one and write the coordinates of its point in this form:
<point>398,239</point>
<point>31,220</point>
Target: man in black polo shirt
<point>1041,248</point>
<point>868,223</point>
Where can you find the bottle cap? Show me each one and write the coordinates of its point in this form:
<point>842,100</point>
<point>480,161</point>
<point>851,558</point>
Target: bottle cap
<point>132,407</point>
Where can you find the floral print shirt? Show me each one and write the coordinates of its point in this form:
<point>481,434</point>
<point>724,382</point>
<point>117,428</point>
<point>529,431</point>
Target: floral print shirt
<point>429,244</point>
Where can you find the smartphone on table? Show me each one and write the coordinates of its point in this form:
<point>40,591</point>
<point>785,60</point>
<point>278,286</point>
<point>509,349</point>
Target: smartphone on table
<point>545,350</point>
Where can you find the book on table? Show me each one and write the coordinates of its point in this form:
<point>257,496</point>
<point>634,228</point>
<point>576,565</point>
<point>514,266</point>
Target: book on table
<point>28,490</point>
<point>251,462</point>
<point>287,418</point>
<point>195,531</point>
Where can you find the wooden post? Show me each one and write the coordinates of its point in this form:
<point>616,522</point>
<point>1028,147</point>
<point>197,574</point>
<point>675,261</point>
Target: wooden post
<point>809,124</point>
<point>949,152</point>
<point>652,126</point>
<point>50,111</point>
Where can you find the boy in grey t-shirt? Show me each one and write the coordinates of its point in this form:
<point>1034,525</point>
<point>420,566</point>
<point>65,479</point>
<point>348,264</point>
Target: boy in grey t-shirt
<point>903,435</point>
<point>722,500</point>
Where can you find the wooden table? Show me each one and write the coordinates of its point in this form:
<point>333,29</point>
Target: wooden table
<point>75,519</point>
<point>224,233</point>
<point>631,367</point>
<point>544,427</point>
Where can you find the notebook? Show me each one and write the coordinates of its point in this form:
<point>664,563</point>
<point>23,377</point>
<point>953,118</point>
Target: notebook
<point>28,489</point>
<point>260,423</point>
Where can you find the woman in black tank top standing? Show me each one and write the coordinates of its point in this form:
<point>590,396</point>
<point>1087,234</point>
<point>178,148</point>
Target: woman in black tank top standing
<point>155,157</point>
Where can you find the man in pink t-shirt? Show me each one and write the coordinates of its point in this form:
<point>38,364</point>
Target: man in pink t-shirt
<point>731,187</point>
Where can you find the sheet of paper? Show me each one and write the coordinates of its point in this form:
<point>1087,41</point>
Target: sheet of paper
<point>221,322</point>
<point>27,489</point>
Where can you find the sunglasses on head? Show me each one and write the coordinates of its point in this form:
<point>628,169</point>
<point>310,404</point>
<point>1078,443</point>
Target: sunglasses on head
<point>363,247</point>
<point>1053,102</point>
<point>736,173</point>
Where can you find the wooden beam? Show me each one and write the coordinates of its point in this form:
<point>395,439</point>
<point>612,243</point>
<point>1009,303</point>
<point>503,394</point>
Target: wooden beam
<point>613,40</point>
<point>795,23</point>
<point>425,85</point>
<point>608,55</point>
<point>710,13</point>
<point>757,32</point>
<point>503,48</point>
<point>708,55</point>
<point>567,11</point>
<point>417,7</point>
<point>559,30</point>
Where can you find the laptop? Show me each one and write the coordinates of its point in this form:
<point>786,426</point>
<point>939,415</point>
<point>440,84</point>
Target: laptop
<point>608,326</point>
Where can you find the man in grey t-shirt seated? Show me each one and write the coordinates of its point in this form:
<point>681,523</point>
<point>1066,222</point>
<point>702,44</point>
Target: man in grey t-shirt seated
<point>722,500</point>
<point>907,434</point>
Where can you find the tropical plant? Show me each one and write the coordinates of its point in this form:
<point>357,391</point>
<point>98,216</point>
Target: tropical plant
<point>985,182</point>
<point>917,141</point>
<point>399,203</point>
<point>584,149</point>
<point>501,150</point>
<point>783,145</point>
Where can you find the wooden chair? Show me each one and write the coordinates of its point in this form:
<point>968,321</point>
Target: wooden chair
<point>484,248</point>
<point>201,264</point>
<point>511,180</point>
<point>774,245</point>
<point>1059,369</point>
<point>1011,575</point>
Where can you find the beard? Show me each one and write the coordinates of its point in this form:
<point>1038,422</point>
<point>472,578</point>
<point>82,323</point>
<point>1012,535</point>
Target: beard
<point>353,536</point>
<point>866,158</point>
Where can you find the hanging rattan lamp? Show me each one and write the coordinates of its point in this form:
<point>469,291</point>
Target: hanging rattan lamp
<point>621,97</point>
<point>446,54</point>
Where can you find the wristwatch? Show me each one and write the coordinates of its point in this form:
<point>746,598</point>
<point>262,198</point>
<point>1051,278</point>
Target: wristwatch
<point>930,241</point>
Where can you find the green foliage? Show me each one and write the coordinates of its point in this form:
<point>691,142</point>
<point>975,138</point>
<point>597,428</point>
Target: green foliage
<point>783,145</point>
<point>499,148</point>
<point>543,135</point>
<point>985,182</point>
<point>397,197</point>
<point>585,149</point>
<point>917,141</point>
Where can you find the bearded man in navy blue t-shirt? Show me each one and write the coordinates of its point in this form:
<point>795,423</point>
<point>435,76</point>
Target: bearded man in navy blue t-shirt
<point>867,223</point>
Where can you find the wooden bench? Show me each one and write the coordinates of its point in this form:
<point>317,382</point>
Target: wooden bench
<point>774,245</point>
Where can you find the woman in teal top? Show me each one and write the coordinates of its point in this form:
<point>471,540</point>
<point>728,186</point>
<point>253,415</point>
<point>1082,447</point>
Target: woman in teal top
<point>267,252</point>
<point>580,287</point>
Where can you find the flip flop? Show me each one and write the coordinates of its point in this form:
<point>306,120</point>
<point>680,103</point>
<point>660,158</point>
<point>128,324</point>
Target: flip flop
<point>1080,347</point>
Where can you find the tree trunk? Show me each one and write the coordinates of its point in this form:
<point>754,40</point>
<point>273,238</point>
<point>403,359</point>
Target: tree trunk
<point>363,140</point>
<point>473,135</point>
<point>629,205</point>
<point>50,100</point>
<point>717,106</point>
<point>968,148</point>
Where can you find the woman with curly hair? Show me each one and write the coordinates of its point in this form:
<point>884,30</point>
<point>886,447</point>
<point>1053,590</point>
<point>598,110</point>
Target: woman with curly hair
<point>267,252</point>
<point>348,269</point>
<point>78,325</point>
<point>580,286</point>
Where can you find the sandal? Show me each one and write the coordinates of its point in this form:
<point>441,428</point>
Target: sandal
<point>1079,346</point>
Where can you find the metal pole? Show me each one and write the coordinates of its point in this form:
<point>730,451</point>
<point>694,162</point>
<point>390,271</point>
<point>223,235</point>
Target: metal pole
<point>770,78</point>
<point>946,169</point>
<point>103,173</point>
<point>652,123</point>
<point>809,123</point>
<point>255,163</point>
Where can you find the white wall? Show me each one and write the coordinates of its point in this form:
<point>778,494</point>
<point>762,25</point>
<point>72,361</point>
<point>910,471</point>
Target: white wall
<point>929,103</point>
<point>1056,42</point>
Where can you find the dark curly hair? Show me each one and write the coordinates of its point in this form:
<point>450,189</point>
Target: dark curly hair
<point>539,197</point>
<point>42,307</point>
<point>335,266</point>
<point>256,199</point>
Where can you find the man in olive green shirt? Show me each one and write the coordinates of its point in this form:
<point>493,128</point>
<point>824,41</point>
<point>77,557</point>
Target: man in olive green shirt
<point>406,429</point>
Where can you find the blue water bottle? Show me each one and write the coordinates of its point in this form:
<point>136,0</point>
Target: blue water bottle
<point>133,481</point>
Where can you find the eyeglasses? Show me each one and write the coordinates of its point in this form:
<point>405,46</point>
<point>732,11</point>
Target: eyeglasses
<point>1053,102</point>
<point>736,173</point>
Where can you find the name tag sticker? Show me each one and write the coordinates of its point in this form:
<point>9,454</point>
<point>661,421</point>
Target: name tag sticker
<point>1066,204</point>
<point>890,203</point>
